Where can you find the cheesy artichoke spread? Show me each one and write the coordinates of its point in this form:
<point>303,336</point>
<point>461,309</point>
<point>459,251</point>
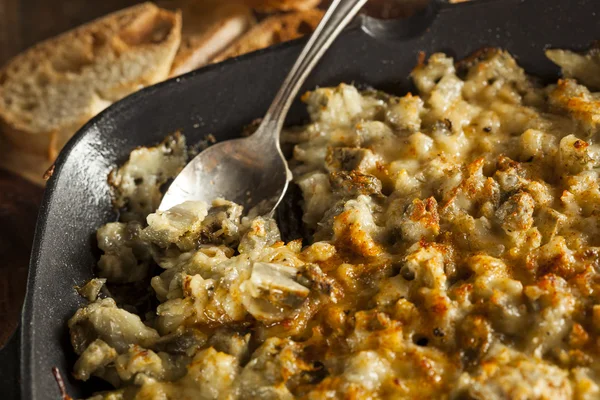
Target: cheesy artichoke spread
<point>454,253</point>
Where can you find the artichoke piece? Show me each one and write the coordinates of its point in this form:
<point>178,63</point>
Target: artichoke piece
<point>350,158</point>
<point>180,225</point>
<point>583,67</point>
<point>116,327</point>
<point>125,254</point>
<point>95,357</point>
<point>272,291</point>
<point>91,289</point>
<point>354,183</point>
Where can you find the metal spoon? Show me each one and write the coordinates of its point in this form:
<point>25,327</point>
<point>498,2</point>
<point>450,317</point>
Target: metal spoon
<point>253,171</point>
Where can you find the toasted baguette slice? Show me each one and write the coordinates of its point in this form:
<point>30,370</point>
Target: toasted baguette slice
<point>53,88</point>
<point>282,5</point>
<point>208,28</point>
<point>273,30</point>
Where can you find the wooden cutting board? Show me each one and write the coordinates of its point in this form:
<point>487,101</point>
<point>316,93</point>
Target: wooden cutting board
<point>22,24</point>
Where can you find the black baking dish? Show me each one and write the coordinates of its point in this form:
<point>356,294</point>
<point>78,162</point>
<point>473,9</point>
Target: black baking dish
<point>221,99</point>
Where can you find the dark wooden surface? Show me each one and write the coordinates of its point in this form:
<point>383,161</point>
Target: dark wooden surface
<point>19,202</point>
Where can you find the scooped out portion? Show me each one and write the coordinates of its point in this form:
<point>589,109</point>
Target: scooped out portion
<point>452,253</point>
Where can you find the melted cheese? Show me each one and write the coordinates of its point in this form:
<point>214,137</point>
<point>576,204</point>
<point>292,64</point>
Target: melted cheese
<point>455,253</point>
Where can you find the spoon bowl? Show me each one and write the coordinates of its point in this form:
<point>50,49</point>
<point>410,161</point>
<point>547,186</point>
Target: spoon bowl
<point>247,171</point>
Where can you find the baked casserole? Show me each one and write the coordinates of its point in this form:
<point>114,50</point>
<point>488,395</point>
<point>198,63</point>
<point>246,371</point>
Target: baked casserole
<point>453,253</point>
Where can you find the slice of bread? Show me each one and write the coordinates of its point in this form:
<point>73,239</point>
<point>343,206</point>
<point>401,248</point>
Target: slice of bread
<point>282,5</point>
<point>275,29</point>
<point>50,90</point>
<point>209,26</point>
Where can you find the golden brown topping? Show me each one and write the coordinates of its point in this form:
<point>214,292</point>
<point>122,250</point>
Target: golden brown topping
<point>453,252</point>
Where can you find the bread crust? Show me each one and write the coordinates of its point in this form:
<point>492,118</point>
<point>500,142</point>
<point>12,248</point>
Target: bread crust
<point>275,29</point>
<point>208,28</point>
<point>66,66</point>
<point>282,5</point>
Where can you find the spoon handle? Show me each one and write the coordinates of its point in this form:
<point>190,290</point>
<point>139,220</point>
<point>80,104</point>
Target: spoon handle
<point>338,15</point>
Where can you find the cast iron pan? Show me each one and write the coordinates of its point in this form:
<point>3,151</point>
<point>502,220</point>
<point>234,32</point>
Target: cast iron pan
<point>221,99</point>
